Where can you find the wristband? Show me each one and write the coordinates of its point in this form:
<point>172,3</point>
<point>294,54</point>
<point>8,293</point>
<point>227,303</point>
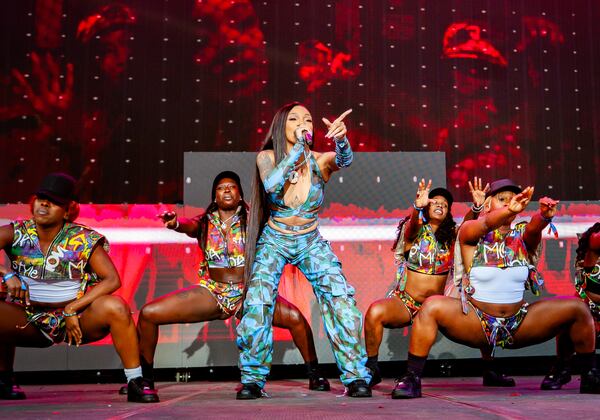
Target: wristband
<point>420,210</point>
<point>8,276</point>
<point>67,314</point>
<point>551,227</point>
<point>476,209</point>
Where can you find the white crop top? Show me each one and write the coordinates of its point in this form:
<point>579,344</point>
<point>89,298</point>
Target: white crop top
<point>498,285</point>
<point>52,291</point>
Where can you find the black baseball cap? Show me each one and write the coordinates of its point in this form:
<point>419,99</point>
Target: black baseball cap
<point>57,187</point>
<point>504,184</point>
<point>444,193</point>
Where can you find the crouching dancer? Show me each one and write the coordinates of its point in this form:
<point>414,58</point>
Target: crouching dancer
<point>53,261</point>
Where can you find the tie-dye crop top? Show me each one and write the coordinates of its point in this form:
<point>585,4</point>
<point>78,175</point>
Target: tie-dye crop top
<point>67,256</point>
<point>224,248</point>
<point>502,250</point>
<point>427,255</point>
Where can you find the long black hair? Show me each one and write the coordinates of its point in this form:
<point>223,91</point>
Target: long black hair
<point>445,233</point>
<point>584,242</point>
<point>259,215</point>
<point>212,207</point>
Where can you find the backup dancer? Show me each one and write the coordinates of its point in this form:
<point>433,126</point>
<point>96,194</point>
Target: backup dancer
<point>53,261</point>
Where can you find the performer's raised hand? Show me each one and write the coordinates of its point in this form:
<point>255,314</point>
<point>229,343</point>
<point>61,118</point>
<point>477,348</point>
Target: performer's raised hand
<point>422,199</point>
<point>548,207</point>
<point>477,191</point>
<point>336,129</point>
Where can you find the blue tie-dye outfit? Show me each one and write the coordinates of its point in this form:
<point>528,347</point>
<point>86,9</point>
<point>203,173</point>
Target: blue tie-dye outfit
<point>314,258</point>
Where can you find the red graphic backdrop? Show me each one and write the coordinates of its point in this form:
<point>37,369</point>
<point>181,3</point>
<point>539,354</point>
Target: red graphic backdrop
<point>115,91</point>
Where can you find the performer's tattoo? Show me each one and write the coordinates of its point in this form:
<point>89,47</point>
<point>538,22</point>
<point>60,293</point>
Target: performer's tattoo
<point>265,165</point>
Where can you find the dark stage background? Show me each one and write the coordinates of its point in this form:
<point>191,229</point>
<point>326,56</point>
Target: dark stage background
<point>115,92</point>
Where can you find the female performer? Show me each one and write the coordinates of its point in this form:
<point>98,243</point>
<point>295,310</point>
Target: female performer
<point>287,195</point>
<point>53,262</point>
<point>423,249</point>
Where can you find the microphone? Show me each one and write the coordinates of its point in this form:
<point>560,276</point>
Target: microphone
<point>308,138</point>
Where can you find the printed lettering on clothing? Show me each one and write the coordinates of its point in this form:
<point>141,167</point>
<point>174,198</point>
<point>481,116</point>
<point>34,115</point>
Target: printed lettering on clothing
<point>22,269</point>
<point>67,256</point>
<point>224,248</point>
<point>54,258</point>
<point>497,249</point>
<point>427,255</point>
<point>20,239</point>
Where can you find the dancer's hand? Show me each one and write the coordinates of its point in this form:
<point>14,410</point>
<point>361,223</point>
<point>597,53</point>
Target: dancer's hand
<point>17,289</point>
<point>422,199</point>
<point>169,218</point>
<point>477,192</point>
<point>519,202</point>
<point>74,334</point>
<point>336,129</point>
<point>548,207</point>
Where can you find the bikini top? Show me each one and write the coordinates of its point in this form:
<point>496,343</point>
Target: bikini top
<point>310,208</point>
<point>427,255</point>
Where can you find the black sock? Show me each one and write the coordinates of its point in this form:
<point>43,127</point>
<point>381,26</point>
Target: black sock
<point>6,377</point>
<point>416,364</point>
<point>312,367</point>
<point>147,369</point>
<point>562,364</point>
<point>490,365</point>
<point>587,361</point>
<point>372,362</point>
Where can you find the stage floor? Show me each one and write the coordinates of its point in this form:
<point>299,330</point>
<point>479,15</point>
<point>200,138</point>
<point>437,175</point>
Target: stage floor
<point>463,398</point>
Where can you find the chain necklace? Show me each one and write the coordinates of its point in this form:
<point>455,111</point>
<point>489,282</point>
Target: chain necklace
<point>294,176</point>
<point>224,222</point>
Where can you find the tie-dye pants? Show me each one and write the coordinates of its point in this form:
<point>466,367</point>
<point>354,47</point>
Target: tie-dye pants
<point>341,318</point>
